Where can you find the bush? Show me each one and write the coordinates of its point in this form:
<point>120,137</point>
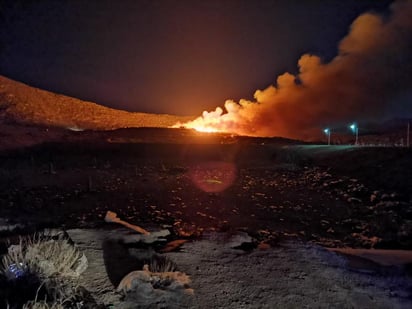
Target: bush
<point>41,272</point>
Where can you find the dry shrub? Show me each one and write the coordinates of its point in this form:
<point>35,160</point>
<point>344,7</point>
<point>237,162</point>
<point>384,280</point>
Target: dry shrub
<point>46,265</point>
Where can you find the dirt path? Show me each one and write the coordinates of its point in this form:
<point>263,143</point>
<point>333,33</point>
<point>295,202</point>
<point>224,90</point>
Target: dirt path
<point>293,275</point>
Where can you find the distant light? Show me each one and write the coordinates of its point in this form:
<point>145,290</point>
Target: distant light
<point>355,131</point>
<point>75,128</point>
<point>326,131</point>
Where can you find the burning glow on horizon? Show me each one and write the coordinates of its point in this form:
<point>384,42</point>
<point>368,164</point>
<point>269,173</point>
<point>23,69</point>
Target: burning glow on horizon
<point>362,82</point>
<point>205,129</point>
<point>209,122</point>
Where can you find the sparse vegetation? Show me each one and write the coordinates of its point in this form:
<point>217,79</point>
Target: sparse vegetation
<point>42,305</point>
<point>161,263</point>
<point>41,272</point>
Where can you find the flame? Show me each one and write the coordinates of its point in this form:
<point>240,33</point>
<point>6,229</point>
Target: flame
<point>235,118</point>
<point>209,122</point>
<point>205,129</point>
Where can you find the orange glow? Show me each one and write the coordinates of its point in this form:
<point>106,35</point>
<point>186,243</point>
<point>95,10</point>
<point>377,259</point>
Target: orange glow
<point>211,122</point>
<point>206,130</point>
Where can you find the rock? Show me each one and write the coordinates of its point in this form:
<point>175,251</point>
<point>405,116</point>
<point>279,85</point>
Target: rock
<point>354,200</point>
<point>241,241</point>
<point>263,246</point>
<point>387,204</point>
<point>156,236</point>
<point>186,230</point>
<point>405,230</point>
<point>5,226</point>
<point>366,241</point>
<point>158,280</point>
<point>385,197</point>
<point>143,289</point>
<point>174,245</point>
<point>330,230</point>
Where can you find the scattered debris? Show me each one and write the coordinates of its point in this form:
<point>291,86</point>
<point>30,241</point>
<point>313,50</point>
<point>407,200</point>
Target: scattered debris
<point>112,217</point>
<point>153,237</point>
<point>174,245</point>
<point>158,280</point>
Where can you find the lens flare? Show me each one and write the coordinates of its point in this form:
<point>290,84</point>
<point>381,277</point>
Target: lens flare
<point>213,176</point>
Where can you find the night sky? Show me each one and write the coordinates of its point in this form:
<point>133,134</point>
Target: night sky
<point>177,57</point>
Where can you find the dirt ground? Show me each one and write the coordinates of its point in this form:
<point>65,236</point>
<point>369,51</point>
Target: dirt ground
<point>274,191</point>
<point>292,274</point>
<point>268,190</point>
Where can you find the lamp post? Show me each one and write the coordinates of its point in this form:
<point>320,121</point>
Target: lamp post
<point>355,130</point>
<point>327,132</point>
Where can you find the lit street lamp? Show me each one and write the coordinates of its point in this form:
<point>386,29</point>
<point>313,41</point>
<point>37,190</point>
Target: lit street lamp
<point>327,132</point>
<point>355,130</point>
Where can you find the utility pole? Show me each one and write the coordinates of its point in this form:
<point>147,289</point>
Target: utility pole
<point>329,139</point>
<point>407,135</point>
<point>355,129</point>
<point>357,135</point>
<point>327,132</point>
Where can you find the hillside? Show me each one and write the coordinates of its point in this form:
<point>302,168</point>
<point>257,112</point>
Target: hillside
<point>20,103</point>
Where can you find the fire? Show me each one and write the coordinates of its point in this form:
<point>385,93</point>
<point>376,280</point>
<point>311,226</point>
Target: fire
<point>235,118</point>
<point>201,124</point>
<point>209,122</point>
<point>206,129</point>
<point>363,81</point>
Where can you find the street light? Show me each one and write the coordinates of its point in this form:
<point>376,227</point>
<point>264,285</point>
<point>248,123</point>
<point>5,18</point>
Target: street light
<point>327,132</point>
<point>355,130</point>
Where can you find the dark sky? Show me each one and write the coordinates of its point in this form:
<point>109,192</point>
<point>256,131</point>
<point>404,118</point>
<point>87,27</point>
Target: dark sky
<point>177,57</point>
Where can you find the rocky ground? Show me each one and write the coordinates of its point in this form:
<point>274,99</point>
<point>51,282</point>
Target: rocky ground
<point>203,187</point>
<point>273,194</point>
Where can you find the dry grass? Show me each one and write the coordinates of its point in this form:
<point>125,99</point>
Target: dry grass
<point>45,257</point>
<point>161,264</point>
<point>54,263</point>
<point>42,305</point>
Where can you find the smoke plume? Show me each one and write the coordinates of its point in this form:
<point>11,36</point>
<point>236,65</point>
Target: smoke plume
<point>372,69</point>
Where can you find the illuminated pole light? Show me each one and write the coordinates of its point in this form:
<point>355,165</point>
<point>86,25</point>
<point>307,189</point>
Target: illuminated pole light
<point>355,130</point>
<point>327,132</point>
